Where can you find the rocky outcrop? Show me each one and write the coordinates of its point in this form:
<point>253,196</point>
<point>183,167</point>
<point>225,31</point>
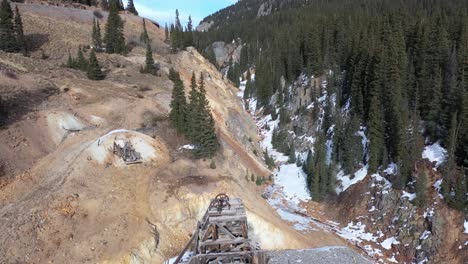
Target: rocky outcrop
<point>226,53</point>
<point>433,233</point>
<point>265,9</point>
<point>204,26</point>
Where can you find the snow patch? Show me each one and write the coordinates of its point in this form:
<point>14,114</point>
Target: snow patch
<point>188,146</point>
<point>410,196</point>
<point>425,234</point>
<point>346,180</point>
<point>387,243</point>
<point>185,258</point>
<point>435,153</point>
<point>391,169</point>
<point>292,180</point>
<point>356,233</point>
<point>465,225</point>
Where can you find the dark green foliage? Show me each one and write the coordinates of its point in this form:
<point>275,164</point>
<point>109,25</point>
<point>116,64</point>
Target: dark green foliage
<point>96,35</point>
<point>149,62</point>
<point>298,161</point>
<point>144,35</point>
<point>179,108</point>
<point>81,63</point>
<point>317,170</point>
<point>11,29</point>
<point>421,192</point>
<point>278,140</point>
<point>70,61</point>
<point>94,69</point>
<point>401,65</point>
<point>194,120</point>
<point>352,149</point>
<point>292,154</point>
<point>114,37</point>
<point>20,39</point>
<point>269,161</point>
<point>131,8</point>
<point>260,180</point>
<point>166,33</point>
<point>205,138</point>
<point>7,29</point>
<point>212,165</point>
<point>192,116</point>
<point>188,34</point>
<point>180,38</point>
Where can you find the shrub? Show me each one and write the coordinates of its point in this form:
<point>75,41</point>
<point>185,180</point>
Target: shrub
<point>98,14</point>
<point>44,56</point>
<point>11,75</point>
<point>212,165</point>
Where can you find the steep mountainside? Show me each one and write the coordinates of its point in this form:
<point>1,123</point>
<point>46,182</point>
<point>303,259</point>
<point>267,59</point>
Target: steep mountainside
<point>66,198</point>
<point>363,105</point>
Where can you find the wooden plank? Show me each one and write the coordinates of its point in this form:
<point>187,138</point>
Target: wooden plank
<point>220,242</point>
<point>186,247</point>
<point>222,219</point>
<point>225,231</point>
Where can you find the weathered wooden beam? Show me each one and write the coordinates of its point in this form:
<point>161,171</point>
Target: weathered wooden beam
<point>224,242</point>
<point>225,231</point>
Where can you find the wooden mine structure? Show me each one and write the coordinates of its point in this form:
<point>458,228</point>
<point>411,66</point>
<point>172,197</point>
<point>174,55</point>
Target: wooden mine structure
<point>222,236</point>
<point>126,152</point>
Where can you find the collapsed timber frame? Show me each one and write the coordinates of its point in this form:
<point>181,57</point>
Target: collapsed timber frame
<point>222,236</point>
<point>125,150</point>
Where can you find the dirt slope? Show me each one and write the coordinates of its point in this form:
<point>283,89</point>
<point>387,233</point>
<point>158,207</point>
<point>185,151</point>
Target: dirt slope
<point>66,199</point>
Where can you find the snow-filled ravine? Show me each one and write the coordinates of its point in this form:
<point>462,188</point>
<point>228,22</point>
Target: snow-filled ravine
<point>289,189</point>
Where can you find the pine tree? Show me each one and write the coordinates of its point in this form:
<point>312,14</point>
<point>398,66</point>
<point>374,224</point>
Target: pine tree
<point>421,196</point>
<point>206,139</point>
<point>70,61</point>
<point>192,119</point>
<point>178,113</point>
<point>20,39</point>
<point>189,33</point>
<point>114,37</point>
<point>149,62</point>
<point>94,69</point>
<point>269,161</point>
<point>166,33</point>
<point>96,36</point>
<point>81,62</point>
<point>177,38</point>
<point>292,154</point>
<point>131,8</point>
<point>352,147</point>
<point>144,35</point>
<point>375,117</point>
<point>8,41</point>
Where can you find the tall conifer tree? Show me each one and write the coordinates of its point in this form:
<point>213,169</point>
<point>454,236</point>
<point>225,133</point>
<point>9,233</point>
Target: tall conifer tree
<point>8,41</point>
<point>131,8</point>
<point>114,37</point>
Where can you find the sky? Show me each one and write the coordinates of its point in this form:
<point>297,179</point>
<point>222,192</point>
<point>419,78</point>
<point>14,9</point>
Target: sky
<point>163,11</point>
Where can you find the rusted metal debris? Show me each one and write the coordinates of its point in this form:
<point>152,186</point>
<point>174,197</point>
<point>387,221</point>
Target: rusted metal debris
<point>125,150</point>
<point>219,202</point>
<point>222,236</point>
